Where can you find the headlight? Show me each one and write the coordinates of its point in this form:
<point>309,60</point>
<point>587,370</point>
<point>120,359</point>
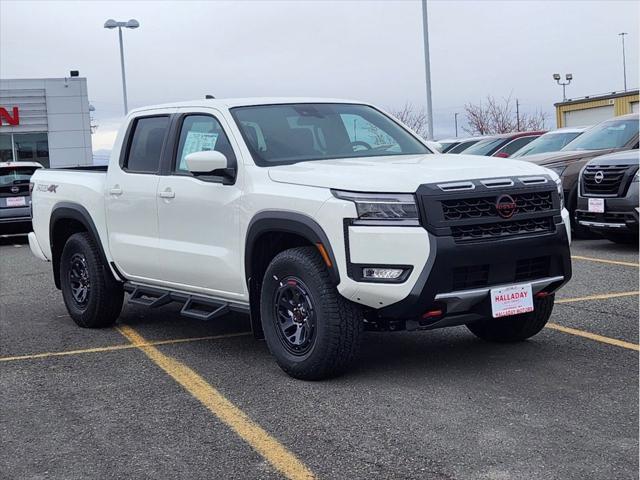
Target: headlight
<point>560,192</point>
<point>558,169</point>
<point>382,208</point>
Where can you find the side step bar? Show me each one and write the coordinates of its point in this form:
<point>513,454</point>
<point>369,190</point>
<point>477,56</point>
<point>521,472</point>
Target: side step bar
<point>193,306</point>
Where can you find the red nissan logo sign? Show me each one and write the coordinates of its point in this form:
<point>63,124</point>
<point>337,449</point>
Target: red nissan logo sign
<point>7,118</point>
<point>506,206</point>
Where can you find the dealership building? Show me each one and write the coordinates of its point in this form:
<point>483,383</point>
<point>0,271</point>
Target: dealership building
<point>579,112</point>
<point>45,120</point>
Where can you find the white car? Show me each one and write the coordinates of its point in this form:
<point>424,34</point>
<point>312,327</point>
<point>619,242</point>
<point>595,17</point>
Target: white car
<point>319,218</point>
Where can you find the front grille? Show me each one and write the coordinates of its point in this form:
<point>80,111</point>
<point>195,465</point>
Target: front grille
<point>608,182</point>
<point>461,209</point>
<point>470,277</point>
<point>532,268</point>
<point>487,231</point>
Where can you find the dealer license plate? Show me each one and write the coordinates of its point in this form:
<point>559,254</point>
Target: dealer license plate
<point>596,205</point>
<point>511,300</point>
<point>16,202</point>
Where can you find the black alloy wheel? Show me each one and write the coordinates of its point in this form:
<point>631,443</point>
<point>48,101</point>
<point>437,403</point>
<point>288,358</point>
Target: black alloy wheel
<point>79,280</point>
<point>294,315</point>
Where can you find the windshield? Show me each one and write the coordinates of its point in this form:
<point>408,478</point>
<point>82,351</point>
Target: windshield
<point>610,134</point>
<point>10,176</point>
<point>484,147</point>
<point>291,133</point>
<point>549,142</point>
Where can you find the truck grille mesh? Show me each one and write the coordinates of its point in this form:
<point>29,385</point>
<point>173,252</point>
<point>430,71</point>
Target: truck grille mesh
<point>486,231</point>
<point>484,207</point>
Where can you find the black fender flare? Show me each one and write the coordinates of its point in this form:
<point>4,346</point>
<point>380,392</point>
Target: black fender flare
<point>287,222</point>
<point>73,211</point>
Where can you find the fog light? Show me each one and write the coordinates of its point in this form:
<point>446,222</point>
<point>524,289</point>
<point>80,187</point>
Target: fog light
<point>371,273</point>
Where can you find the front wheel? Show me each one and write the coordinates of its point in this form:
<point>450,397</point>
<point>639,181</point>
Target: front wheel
<point>312,331</point>
<point>517,327</point>
<point>92,296</point>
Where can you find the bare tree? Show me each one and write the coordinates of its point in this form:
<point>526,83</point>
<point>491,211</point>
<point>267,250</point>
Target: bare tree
<point>412,117</point>
<point>495,116</point>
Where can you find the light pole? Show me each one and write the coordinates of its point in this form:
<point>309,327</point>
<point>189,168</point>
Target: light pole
<point>111,24</point>
<point>569,77</point>
<point>427,69</point>
<point>624,60</point>
<point>455,120</point>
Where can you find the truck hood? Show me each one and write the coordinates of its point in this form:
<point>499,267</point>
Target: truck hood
<point>560,158</point>
<point>399,174</point>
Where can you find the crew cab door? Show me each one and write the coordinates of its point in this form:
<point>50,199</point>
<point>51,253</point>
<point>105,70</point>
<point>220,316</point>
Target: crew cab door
<point>131,189</point>
<point>198,216</point>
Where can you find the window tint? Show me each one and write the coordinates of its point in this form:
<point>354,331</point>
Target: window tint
<point>484,147</point>
<point>515,145</point>
<point>146,144</point>
<point>290,133</point>
<point>201,133</point>
<point>462,146</point>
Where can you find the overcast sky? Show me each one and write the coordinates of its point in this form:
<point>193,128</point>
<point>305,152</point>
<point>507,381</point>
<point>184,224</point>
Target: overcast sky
<point>368,50</point>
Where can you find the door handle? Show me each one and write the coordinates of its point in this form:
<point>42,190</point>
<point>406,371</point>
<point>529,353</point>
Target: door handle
<point>167,194</point>
<point>115,190</point>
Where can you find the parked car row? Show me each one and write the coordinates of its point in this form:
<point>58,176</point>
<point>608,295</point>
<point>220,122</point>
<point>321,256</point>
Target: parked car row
<point>567,151</point>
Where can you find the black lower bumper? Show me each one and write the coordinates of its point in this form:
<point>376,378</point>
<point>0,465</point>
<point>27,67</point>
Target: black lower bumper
<point>620,215</point>
<point>456,267</point>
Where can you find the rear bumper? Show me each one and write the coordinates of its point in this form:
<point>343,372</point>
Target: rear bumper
<point>35,247</point>
<point>458,277</point>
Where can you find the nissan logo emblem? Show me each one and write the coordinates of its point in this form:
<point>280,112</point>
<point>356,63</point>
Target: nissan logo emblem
<point>599,176</point>
<point>506,206</point>
<point>15,189</point>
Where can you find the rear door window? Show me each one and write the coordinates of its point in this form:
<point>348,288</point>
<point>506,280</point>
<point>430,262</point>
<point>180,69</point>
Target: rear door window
<point>145,147</point>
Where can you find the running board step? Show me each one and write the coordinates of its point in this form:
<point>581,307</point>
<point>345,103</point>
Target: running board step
<point>149,297</point>
<point>193,306</point>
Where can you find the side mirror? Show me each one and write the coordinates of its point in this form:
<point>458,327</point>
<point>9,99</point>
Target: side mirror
<point>206,162</point>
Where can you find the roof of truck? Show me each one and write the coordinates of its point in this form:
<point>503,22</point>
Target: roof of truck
<point>248,101</point>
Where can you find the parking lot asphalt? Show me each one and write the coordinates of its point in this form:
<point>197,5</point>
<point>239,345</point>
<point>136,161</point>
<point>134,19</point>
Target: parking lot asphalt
<point>79,403</point>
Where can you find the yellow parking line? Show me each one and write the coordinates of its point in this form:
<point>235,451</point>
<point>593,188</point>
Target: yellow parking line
<point>112,348</point>
<point>594,336</point>
<point>261,441</point>
<point>602,260</point>
<point>603,296</point>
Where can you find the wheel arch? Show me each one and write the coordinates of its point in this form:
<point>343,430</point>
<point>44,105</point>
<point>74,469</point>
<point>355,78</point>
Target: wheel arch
<point>270,233</point>
<point>66,219</point>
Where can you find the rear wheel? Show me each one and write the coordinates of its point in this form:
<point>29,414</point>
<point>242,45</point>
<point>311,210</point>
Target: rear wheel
<point>311,330</point>
<point>92,296</point>
<point>517,327</point>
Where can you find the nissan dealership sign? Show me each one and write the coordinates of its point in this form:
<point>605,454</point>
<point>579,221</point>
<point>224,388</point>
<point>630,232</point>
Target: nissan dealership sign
<point>9,116</point>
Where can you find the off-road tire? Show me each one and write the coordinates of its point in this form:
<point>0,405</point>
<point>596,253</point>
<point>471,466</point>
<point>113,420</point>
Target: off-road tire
<point>104,300</point>
<point>338,322</point>
<point>515,328</point>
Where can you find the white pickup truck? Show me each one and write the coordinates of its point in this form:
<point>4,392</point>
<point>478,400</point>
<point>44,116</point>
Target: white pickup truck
<point>319,218</point>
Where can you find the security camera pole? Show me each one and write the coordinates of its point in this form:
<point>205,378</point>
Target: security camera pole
<point>111,24</point>
<point>427,70</point>
<point>568,77</point>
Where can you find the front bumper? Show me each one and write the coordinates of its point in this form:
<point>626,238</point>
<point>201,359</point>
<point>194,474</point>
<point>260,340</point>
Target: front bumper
<point>457,278</point>
<point>620,215</point>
